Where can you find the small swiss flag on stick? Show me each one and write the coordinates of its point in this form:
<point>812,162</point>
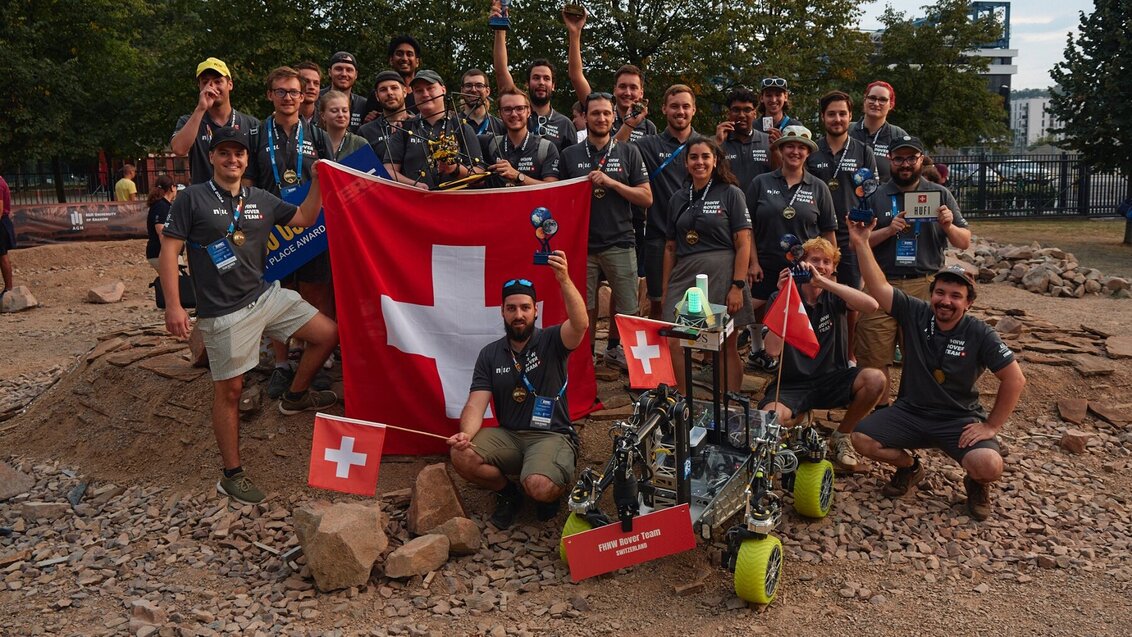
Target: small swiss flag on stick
<point>646,352</point>
<point>346,454</point>
<point>787,317</point>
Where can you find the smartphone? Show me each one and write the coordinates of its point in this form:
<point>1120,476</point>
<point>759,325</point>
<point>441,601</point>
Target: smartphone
<point>768,123</point>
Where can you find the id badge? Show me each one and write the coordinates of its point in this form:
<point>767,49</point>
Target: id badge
<point>544,409</point>
<point>905,252</point>
<point>287,191</point>
<point>222,255</point>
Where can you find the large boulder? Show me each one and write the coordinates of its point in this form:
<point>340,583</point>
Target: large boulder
<point>417,557</point>
<point>341,541</point>
<point>435,500</point>
<point>17,299</point>
<point>1036,280</point>
<point>464,537</point>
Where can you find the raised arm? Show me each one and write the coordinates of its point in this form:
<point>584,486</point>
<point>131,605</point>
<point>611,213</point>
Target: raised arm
<point>871,273</point>
<point>577,318</point>
<point>503,79</point>
<point>574,26</point>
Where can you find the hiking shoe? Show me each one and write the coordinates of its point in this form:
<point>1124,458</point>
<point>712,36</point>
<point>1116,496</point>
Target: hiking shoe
<point>321,381</point>
<point>616,357</point>
<point>240,488</point>
<point>311,400</point>
<point>904,479</point>
<point>279,382</point>
<point>978,498</point>
<point>506,507</point>
<point>842,448</point>
<point>548,510</point>
<point>761,361</point>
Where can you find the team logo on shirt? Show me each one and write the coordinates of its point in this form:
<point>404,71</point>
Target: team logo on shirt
<point>713,208</point>
<point>525,164</point>
<point>956,347</point>
<point>252,213</point>
<point>825,324</point>
<point>219,211</point>
<point>805,196</point>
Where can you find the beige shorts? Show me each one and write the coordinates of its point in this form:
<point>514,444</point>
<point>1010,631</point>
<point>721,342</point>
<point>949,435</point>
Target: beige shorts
<point>620,268</point>
<point>877,332</point>
<point>525,453</point>
<point>233,340</point>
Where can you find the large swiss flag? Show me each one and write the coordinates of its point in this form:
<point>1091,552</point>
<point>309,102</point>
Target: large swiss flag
<point>417,283</point>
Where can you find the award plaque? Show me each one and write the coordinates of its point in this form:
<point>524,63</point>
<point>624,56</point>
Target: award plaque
<point>545,227</point>
<point>796,255</point>
<point>501,22</point>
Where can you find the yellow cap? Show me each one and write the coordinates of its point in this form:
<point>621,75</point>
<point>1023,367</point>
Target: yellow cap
<point>213,64</point>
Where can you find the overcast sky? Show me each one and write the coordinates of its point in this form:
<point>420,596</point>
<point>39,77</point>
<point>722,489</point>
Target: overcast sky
<point>1037,31</point>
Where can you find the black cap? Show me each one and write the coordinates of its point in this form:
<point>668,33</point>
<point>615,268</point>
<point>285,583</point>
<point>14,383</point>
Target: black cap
<point>388,76</point>
<point>343,56</point>
<point>432,77</point>
<point>906,141</point>
<point>957,273</point>
<point>229,134</point>
<point>519,286</point>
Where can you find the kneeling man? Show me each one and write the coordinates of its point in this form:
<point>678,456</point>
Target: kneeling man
<point>523,375</point>
<point>825,381</point>
<point>945,352</point>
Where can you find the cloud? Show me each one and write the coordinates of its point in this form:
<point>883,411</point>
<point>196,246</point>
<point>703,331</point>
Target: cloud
<point>1015,20</point>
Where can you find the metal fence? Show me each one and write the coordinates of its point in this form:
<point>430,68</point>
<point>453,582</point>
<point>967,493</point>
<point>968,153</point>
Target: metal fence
<point>36,184</point>
<point>1029,186</point>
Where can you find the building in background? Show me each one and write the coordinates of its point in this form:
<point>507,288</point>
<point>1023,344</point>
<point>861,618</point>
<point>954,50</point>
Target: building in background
<point>1032,123</point>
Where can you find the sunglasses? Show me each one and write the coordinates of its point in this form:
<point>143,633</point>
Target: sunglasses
<point>599,96</point>
<point>773,82</point>
<point>525,282</point>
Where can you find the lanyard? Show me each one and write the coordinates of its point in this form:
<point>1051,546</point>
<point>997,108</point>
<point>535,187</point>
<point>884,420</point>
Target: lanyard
<point>237,210</point>
<point>840,162</point>
<point>483,125</point>
<point>208,127</point>
<point>298,153</point>
<point>674,155</point>
<point>600,166</point>
<point>796,190</point>
<point>692,203</point>
<point>527,381</point>
<point>523,148</point>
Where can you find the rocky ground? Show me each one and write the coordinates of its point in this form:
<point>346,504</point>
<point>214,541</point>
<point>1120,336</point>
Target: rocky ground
<point>115,527</point>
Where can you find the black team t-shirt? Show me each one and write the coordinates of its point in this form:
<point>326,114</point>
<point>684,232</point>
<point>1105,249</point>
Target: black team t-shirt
<point>879,142</point>
<point>930,239</point>
<point>840,167</point>
<point>158,214</point>
<point>200,169</point>
<point>655,151</point>
<point>556,127</point>
<point>534,156</point>
<point>408,146</point>
<point>827,316</point>
<point>767,199</point>
<point>748,159</point>
<point>316,145</point>
<point>714,216</point>
<point>611,216</point>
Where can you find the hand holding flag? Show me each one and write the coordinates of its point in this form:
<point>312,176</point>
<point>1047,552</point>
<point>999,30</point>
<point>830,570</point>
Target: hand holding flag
<point>787,318</point>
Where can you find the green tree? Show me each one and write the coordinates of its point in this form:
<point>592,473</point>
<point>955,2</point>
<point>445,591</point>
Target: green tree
<point>1093,99</point>
<point>942,96</point>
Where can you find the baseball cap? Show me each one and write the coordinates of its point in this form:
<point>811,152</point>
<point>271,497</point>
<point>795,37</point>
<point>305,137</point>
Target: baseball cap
<point>958,274</point>
<point>519,286</point>
<point>343,56</point>
<point>213,64</point>
<point>388,76</point>
<point>229,134</point>
<point>797,133</point>
<point>906,141</point>
<point>427,75</point>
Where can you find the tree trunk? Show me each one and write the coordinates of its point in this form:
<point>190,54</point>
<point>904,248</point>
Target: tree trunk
<point>57,173</point>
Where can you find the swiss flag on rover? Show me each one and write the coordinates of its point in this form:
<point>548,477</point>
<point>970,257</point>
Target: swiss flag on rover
<point>646,352</point>
<point>787,317</point>
<point>417,283</point>
<point>346,454</point>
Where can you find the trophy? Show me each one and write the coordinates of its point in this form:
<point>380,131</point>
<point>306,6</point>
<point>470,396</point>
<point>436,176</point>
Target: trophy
<point>795,254</point>
<point>866,184</point>
<point>545,228</point>
<point>501,22</point>
<point>574,9</point>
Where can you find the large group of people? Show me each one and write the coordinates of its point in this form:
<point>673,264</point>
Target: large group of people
<point>666,204</point>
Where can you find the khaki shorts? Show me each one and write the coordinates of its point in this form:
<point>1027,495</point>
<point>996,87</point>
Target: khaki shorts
<point>877,333</point>
<point>233,340</point>
<point>620,268</point>
<point>525,453</point>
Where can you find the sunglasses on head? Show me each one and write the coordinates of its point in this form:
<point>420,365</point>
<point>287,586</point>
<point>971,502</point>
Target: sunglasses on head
<point>773,82</point>
<point>518,282</point>
<point>599,96</point>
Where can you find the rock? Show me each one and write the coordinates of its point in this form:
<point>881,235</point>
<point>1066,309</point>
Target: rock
<point>1112,414</point>
<point>198,353</point>
<point>1092,286</point>
<point>464,537</point>
<point>1008,325</point>
<point>106,293</point>
<point>17,299</point>
<point>435,500</point>
<point>1075,440</point>
<point>417,557</point>
<point>7,559</point>
<point>683,590</point>
<point>251,400</point>
<point>1072,409</point>
<point>1090,365</point>
<point>982,588</point>
<point>13,482</point>
<point>1115,283</point>
<point>1036,280</point>
<point>36,511</point>
<point>1119,346</point>
<point>340,541</point>
<point>145,613</point>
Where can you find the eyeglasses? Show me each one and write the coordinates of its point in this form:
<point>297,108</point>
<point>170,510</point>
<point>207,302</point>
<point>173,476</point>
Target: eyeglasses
<point>282,92</point>
<point>876,98</point>
<point>773,82</point>
<point>479,86</point>
<point>906,161</point>
<point>518,282</point>
<point>744,110</point>
<point>507,110</point>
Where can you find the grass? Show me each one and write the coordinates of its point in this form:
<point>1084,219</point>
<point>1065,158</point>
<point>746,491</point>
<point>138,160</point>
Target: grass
<point>1095,242</point>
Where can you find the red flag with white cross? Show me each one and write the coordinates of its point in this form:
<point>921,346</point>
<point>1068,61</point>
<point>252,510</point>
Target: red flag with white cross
<point>787,317</point>
<point>346,454</point>
<point>646,351</point>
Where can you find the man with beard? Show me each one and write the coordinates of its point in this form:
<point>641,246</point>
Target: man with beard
<point>746,149</point>
<point>311,76</point>
<point>630,122</point>
<point>405,58</point>
<point>873,129</point>
<point>520,158</point>
<point>390,92</point>
<point>193,133</point>
<point>432,147</point>
<point>543,120</point>
<point>664,160</point>
<point>523,375</point>
<point>945,352</point>
<point>909,253</point>
<point>837,159</point>
<point>620,183</point>
<point>343,71</point>
<point>474,94</point>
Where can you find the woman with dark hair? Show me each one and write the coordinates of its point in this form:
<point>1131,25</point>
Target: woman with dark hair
<point>160,199</point>
<point>709,233</point>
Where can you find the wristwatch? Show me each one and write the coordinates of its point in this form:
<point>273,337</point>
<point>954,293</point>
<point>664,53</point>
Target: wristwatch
<point>739,283</point>
<point>520,178</point>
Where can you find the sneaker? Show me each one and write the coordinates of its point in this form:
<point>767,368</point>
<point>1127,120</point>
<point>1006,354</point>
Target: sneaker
<point>311,400</point>
<point>842,448</point>
<point>978,498</point>
<point>321,381</point>
<point>279,382</point>
<point>506,507</point>
<point>548,510</point>
<point>240,488</point>
<point>904,479</point>
<point>616,357</point>
<point>761,361</point>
